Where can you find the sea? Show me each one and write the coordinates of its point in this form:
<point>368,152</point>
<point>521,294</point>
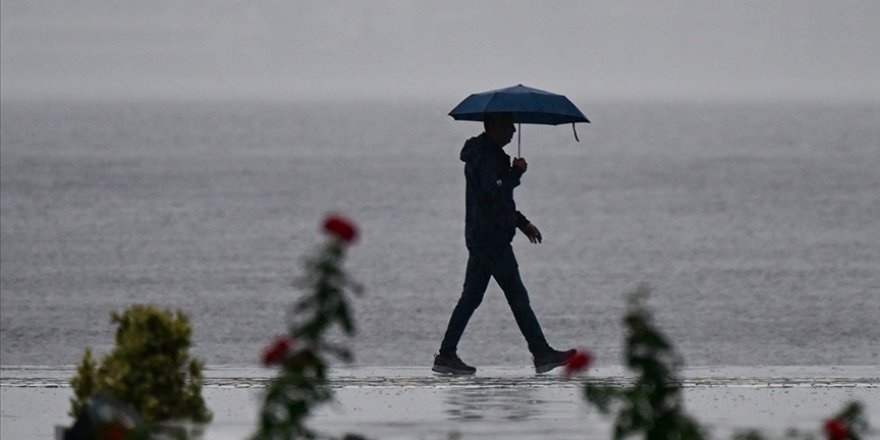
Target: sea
<point>755,224</point>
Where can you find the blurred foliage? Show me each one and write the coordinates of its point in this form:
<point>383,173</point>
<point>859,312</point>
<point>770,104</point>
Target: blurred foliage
<point>653,405</point>
<point>149,368</point>
<point>302,355</point>
<point>83,384</point>
<point>850,423</point>
<point>854,420</point>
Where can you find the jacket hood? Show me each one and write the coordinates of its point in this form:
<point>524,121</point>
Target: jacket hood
<point>473,147</point>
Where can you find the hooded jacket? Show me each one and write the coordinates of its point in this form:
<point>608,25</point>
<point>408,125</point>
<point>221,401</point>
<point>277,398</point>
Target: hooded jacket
<point>491,217</point>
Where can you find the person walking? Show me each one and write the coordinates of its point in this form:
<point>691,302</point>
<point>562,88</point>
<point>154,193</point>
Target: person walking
<point>491,221</point>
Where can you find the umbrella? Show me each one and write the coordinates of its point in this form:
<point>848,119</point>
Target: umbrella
<point>525,104</point>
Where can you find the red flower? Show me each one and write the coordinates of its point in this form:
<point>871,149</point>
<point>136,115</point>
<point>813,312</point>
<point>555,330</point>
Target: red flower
<point>278,351</point>
<point>341,228</point>
<point>578,362</point>
<point>115,432</point>
<point>836,430</point>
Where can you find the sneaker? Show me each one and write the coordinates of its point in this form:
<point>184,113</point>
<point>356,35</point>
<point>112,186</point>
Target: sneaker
<point>552,359</point>
<point>451,364</point>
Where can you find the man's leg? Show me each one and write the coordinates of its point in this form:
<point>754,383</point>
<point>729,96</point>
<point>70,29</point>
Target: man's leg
<point>505,270</point>
<point>476,280</point>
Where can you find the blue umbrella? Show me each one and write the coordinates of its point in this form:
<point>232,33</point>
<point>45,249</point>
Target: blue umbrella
<point>525,104</point>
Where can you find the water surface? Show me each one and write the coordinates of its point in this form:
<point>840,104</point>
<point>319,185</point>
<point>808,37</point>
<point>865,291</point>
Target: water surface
<point>757,224</point>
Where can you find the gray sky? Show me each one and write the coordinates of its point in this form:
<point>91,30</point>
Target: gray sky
<point>405,49</point>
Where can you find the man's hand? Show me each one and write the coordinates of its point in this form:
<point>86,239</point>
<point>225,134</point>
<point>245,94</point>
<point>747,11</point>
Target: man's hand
<point>532,232</point>
<point>521,164</point>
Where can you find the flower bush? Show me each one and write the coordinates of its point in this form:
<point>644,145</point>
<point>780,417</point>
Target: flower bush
<point>849,424</point>
<point>836,430</point>
<point>653,407</point>
<point>276,353</point>
<point>148,369</point>
<point>578,363</point>
<point>301,354</point>
<point>341,228</point>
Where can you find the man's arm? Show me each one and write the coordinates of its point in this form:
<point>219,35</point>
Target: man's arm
<point>522,222</point>
<point>531,231</point>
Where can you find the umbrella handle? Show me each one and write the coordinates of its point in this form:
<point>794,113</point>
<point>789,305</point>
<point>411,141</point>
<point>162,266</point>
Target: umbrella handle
<point>575,132</point>
<point>518,139</point>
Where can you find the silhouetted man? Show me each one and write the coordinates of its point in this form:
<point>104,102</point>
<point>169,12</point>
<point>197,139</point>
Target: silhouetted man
<point>491,220</point>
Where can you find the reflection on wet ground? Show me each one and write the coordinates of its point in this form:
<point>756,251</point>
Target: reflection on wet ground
<point>500,404</point>
<point>498,378</point>
<point>511,403</point>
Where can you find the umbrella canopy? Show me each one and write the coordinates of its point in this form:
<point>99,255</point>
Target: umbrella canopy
<point>525,104</point>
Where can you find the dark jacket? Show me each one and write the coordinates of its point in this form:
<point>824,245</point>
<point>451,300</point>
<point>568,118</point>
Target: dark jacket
<point>491,217</point>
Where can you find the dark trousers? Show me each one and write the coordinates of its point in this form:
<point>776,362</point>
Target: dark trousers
<point>498,263</point>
